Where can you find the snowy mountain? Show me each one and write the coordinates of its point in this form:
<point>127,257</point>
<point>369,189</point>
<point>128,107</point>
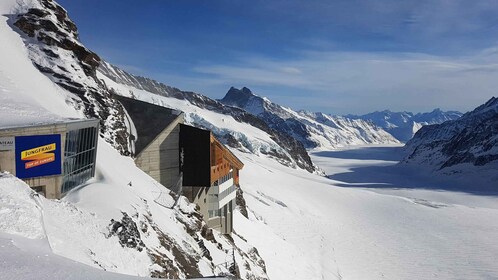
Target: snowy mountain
<point>469,143</point>
<point>53,46</point>
<point>290,223</point>
<point>230,124</point>
<point>315,130</point>
<point>122,221</point>
<point>403,125</point>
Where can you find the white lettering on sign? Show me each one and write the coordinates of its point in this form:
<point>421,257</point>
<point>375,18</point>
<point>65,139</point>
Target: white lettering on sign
<point>7,143</point>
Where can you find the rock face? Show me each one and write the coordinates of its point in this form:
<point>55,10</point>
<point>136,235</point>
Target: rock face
<point>295,152</point>
<point>312,129</point>
<point>54,47</point>
<point>471,140</point>
<point>403,125</point>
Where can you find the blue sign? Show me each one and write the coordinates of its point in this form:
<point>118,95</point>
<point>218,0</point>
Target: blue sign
<point>38,155</point>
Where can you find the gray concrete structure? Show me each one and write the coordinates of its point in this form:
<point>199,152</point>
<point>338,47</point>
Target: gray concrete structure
<point>155,138</point>
<point>161,158</point>
<point>50,186</point>
<point>184,159</point>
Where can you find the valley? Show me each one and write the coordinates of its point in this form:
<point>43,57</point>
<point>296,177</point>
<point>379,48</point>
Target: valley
<point>382,195</point>
<point>378,226</point>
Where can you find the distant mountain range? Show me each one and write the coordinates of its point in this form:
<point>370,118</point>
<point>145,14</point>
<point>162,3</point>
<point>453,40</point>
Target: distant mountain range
<point>460,145</point>
<point>314,130</point>
<point>403,125</point>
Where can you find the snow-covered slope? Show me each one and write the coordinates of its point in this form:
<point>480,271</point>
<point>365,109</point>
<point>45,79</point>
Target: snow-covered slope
<point>123,221</point>
<point>315,130</point>
<point>298,225</point>
<point>53,46</point>
<point>305,227</point>
<point>234,126</point>
<point>403,125</point>
<point>465,146</point>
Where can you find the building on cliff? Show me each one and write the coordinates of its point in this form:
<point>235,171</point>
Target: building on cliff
<point>185,159</point>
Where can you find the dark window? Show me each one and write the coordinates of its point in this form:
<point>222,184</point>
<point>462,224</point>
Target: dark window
<point>79,157</point>
<point>195,147</point>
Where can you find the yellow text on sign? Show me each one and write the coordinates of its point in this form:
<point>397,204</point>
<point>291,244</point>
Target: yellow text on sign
<point>33,153</point>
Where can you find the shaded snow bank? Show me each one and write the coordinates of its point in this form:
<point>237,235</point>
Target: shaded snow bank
<point>171,243</point>
<point>305,227</point>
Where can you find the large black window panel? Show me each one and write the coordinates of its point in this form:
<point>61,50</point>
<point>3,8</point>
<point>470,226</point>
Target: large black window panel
<point>195,150</point>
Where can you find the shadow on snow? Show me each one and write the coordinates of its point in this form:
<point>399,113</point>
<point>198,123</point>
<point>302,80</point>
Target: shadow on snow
<point>399,176</point>
<point>366,153</point>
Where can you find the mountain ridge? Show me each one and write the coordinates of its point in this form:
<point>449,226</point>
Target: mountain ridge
<point>403,125</point>
<point>314,130</point>
<point>458,146</point>
<point>293,152</point>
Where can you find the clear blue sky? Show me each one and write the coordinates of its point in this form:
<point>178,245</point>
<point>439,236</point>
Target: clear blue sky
<point>338,57</point>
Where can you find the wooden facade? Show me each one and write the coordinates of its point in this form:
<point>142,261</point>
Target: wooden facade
<point>215,192</point>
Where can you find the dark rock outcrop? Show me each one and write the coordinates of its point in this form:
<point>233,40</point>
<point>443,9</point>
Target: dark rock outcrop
<point>311,129</point>
<point>127,232</point>
<point>293,147</point>
<point>471,139</point>
<point>56,51</point>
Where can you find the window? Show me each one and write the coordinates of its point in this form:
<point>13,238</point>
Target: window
<point>215,213</point>
<point>79,157</point>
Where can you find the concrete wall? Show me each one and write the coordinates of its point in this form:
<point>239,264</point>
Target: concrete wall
<point>161,158</point>
<point>51,185</point>
<point>200,196</point>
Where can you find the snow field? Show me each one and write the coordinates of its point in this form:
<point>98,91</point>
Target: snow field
<point>329,232</point>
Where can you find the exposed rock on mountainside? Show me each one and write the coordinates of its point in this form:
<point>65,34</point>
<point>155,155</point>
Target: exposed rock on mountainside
<point>170,243</point>
<point>472,139</point>
<point>54,47</point>
<point>311,129</point>
<point>403,125</point>
<point>295,152</point>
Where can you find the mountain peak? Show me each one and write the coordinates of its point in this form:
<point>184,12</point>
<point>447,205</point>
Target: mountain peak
<point>238,97</point>
<point>490,105</point>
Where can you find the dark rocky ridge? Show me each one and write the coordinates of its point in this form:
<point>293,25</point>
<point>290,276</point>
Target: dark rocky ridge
<point>471,139</point>
<point>242,97</point>
<point>402,124</point>
<point>55,49</point>
<point>311,129</point>
<point>288,143</point>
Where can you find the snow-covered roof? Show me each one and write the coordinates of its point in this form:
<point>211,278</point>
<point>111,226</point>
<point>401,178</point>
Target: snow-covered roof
<point>26,122</point>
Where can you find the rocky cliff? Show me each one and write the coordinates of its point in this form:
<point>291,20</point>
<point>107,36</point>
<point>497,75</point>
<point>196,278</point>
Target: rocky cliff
<point>314,130</point>
<point>53,45</point>
<point>471,141</point>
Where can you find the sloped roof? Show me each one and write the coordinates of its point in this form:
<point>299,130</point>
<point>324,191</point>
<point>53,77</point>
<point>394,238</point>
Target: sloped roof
<point>229,156</point>
<point>149,120</point>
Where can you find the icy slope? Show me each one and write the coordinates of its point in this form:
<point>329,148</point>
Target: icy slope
<point>27,259</point>
<point>52,44</point>
<point>119,223</point>
<point>307,228</point>
<point>237,133</point>
<point>289,151</point>
<point>464,147</point>
<point>163,242</point>
<point>312,129</point>
<point>403,125</point>
<point>25,100</point>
